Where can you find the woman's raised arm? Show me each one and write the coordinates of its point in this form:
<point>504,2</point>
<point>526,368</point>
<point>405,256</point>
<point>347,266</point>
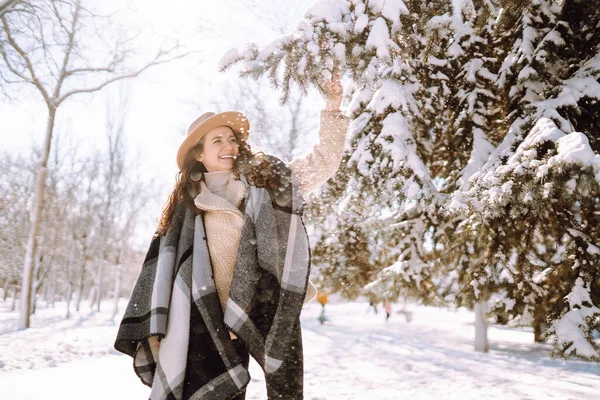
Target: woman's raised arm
<point>316,167</point>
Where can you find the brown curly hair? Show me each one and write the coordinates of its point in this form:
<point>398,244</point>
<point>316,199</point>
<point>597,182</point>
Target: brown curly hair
<point>258,169</point>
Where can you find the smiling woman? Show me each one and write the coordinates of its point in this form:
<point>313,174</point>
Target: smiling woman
<point>228,267</point>
<point>220,149</point>
<point>212,136</point>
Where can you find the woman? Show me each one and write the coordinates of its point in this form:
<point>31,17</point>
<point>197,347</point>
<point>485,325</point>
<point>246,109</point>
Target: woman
<point>226,274</point>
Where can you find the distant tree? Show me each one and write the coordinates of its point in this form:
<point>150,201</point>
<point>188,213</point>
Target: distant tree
<point>70,248</point>
<point>15,186</point>
<point>58,54</point>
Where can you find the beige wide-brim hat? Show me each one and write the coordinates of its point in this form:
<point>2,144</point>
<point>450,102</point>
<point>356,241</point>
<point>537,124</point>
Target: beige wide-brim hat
<point>237,121</point>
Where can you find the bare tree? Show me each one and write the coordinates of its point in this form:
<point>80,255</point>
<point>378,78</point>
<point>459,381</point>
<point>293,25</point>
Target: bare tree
<point>70,264</point>
<point>7,5</point>
<point>70,239</point>
<point>15,185</point>
<point>72,216</point>
<point>130,207</point>
<point>88,235</point>
<point>113,177</point>
<point>52,53</point>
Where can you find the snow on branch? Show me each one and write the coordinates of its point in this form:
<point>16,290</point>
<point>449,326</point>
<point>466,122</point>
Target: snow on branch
<point>570,328</point>
<point>331,36</point>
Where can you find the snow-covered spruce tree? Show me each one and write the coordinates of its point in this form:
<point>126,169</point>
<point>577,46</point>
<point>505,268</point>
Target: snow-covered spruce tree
<point>535,205</point>
<point>467,136</point>
<point>519,34</point>
<point>451,86</point>
<point>415,128</point>
<point>388,187</point>
<point>443,94</point>
<point>372,43</point>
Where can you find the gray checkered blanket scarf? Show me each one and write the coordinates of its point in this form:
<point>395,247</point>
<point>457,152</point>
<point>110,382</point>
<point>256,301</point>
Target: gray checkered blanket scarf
<point>175,299</point>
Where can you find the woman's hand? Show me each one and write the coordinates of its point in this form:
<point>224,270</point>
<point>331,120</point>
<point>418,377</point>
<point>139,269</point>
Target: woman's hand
<point>332,92</point>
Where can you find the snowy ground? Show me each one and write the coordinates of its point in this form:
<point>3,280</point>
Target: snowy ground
<point>356,355</point>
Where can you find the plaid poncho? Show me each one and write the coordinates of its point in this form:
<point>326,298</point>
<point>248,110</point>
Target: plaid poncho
<point>175,299</point>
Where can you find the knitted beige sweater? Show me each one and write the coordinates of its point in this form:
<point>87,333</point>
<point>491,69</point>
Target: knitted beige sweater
<point>221,194</point>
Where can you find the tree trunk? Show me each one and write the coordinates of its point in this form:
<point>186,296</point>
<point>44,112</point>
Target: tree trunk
<point>52,294</point>
<point>35,285</point>
<point>92,296</point>
<point>70,279</point>
<point>35,217</point>
<point>118,269</point>
<point>69,296</point>
<point>117,289</point>
<point>35,296</point>
<point>38,284</point>
<point>99,278</point>
<point>14,304</point>
<point>539,325</point>
<point>5,289</point>
<point>539,329</point>
<point>103,239</point>
<point>33,302</point>
<point>80,284</point>
<point>46,292</point>
<point>481,339</point>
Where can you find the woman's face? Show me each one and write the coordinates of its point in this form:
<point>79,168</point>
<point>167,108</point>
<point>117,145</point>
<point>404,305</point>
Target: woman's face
<point>220,149</point>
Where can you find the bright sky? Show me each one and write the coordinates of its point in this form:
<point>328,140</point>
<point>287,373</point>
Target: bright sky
<point>165,100</point>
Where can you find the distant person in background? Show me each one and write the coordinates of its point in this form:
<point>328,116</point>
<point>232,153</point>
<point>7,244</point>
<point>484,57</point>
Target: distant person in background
<point>227,271</point>
<point>372,304</point>
<point>322,299</point>
<point>387,306</point>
